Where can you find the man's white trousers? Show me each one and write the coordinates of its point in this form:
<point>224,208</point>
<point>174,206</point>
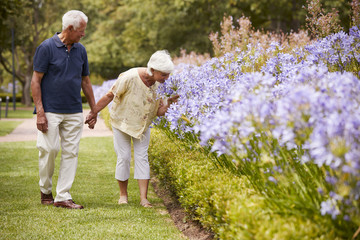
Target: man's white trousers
<point>64,130</point>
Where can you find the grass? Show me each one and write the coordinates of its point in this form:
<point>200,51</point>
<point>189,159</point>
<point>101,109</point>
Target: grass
<point>7,127</point>
<point>23,217</point>
<point>18,113</point>
<point>21,111</point>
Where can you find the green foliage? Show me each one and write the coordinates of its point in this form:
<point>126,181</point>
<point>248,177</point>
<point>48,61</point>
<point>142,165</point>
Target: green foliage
<point>128,32</point>
<point>342,7</point>
<point>8,9</point>
<point>23,217</point>
<point>228,205</point>
<point>4,95</point>
<point>123,34</point>
<point>32,22</point>
<point>105,114</point>
<point>139,28</point>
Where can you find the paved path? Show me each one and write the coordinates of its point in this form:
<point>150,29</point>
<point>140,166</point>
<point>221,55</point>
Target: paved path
<point>27,131</point>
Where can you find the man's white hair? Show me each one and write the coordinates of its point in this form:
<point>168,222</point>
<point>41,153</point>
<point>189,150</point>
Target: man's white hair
<point>160,61</point>
<point>74,18</point>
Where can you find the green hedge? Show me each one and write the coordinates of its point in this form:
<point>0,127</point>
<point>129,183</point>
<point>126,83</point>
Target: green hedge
<point>4,95</point>
<point>221,202</point>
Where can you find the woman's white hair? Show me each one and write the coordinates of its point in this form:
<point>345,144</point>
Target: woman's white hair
<point>160,61</point>
<point>74,18</point>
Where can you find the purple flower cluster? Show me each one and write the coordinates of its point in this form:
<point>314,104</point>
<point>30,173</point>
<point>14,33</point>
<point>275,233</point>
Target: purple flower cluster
<point>340,51</point>
<point>100,91</point>
<point>307,98</point>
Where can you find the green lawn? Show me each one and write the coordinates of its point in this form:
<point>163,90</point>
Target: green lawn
<point>21,111</point>
<point>18,113</point>
<point>7,127</point>
<point>23,217</point>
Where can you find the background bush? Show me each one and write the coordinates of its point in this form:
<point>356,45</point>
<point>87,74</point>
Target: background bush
<point>4,95</point>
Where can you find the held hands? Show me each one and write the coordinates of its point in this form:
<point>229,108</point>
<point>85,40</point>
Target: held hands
<point>91,119</point>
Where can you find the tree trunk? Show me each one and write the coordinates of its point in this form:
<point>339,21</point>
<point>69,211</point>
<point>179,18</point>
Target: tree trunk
<point>295,23</point>
<point>26,98</point>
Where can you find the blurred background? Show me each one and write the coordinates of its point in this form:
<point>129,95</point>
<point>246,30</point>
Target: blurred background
<point>124,33</point>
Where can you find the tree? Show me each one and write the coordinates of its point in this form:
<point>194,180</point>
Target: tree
<point>130,31</point>
<point>124,33</point>
<point>31,25</point>
<point>7,9</point>
<point>33,21</point>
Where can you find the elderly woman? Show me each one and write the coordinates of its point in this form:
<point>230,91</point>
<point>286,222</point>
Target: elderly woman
<point>135,105</point>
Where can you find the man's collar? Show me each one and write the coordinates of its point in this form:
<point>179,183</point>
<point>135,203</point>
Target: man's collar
<point>59,43</point>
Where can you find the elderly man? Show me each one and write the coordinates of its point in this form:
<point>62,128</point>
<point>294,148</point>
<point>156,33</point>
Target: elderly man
<point>60,72</point>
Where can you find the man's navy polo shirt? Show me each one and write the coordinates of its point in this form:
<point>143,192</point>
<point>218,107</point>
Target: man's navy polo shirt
<point>63,71</point>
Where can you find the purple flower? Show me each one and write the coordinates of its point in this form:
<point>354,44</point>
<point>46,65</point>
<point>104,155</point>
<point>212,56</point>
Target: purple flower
<point>329,207</point>
<point>307,100</point>
<point>272,179</point>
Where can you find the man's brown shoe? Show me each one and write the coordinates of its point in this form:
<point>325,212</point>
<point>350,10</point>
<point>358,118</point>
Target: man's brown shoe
<point>47,199</point>
<point>68,204</point>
